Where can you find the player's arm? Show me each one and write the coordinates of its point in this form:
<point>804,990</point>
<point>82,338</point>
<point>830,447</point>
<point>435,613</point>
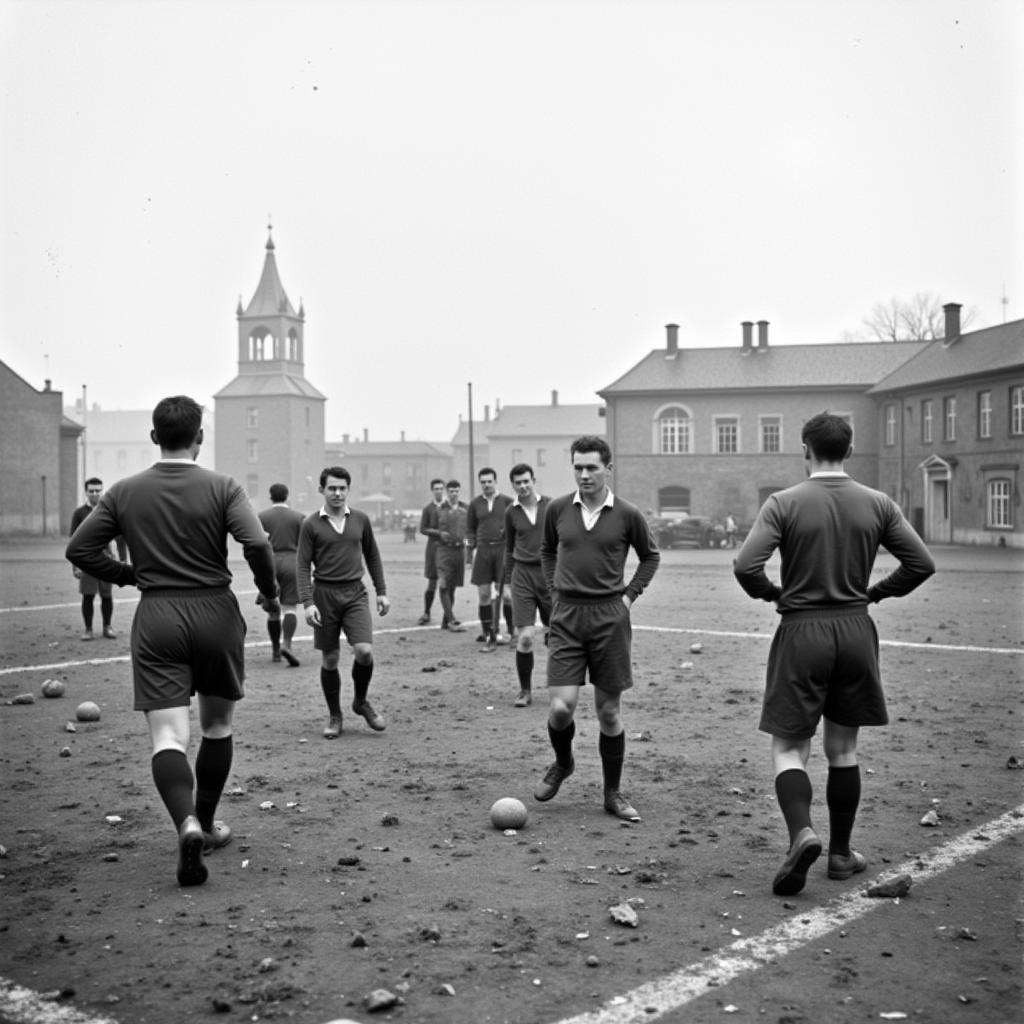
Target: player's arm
<point>549,545</point>
<point>243,524</point>
<point>88,549</point>
<point>510,546</point>
<point>761,542</point>
<point>916,563</point>
<point>428,521</point>
<point>375,567</point>
<point>642,542</point>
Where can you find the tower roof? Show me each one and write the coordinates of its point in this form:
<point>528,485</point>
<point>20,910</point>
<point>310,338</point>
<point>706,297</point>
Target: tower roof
<point>270,298</point>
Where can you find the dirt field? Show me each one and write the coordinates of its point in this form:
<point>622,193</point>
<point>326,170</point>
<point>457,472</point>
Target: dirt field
<point>369,863</point>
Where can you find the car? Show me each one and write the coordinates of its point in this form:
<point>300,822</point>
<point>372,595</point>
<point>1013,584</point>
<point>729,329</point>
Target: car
<point>688,531</point>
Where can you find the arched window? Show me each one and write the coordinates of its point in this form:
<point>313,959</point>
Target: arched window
<point>673,431</point>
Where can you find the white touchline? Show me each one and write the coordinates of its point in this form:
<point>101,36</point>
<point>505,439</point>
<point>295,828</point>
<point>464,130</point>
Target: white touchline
<point>655,998</point>
<point>21,1005</point>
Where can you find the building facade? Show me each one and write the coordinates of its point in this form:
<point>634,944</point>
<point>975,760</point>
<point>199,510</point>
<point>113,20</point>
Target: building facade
<point>270,419</point>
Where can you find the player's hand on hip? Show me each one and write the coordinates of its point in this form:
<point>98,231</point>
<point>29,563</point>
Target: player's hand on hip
<point>383,604</point>
<point>627,601</point>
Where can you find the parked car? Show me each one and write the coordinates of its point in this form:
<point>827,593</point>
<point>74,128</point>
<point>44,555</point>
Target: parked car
<point>688,531</point>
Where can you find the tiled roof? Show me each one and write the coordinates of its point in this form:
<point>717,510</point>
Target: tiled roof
<point>547,421</point>
<point>977,353</point>
<point>390,449</point>
<point>847,364</point>
<point>257,385</point>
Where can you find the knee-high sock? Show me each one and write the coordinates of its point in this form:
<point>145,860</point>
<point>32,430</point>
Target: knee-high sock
<point>794,791</point>
<point>445,596</point>
<point>613,753</point>
<point>330,683</point>
<point>428,599</point>
<point>174,781</point>
<point>87,603</point>
<point>213,765</point>
<point>106,611</point>
<point>524,669</point>
<point>561,741</point>
<point>842,793</point>
<point>274,632</point>
<point>361,675</point>
<point>485,619</point>
<point>510,622</point>
<point>288,629</point>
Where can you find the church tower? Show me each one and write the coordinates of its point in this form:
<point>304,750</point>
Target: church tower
<point>269,421</point>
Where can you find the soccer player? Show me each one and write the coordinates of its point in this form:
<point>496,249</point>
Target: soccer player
<point>485,538</point>
<point>89,586</point>
<point>334,545</point>
<point>823,661</point>
<point>586,539</point>
<point>428,527</point>
<point>524,524</point>
<point>283,525</point>
<point>188,635</point>
<point>451,554</point>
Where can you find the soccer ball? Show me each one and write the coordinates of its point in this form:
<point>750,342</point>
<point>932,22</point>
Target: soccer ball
<point>508,812</point>
<point>87,711</point>
<point>52,688</point>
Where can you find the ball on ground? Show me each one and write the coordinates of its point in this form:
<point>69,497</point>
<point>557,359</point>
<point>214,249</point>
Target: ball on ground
<point>508,812</point>
<point>53,688</point>
<point>87,711</point>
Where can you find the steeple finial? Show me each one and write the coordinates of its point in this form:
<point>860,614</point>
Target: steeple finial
<point>270,230</point>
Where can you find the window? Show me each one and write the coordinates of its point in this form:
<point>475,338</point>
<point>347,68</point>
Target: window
<point>252,486</point>
<point>998,504</point>
<point>252,417</point>
<point>252,450</point>
<point>771,434</point>
<point>984,414</point>
<point>1017,410</point>
<point>890,424</point>
<point>540,456</point>
<point>387,474</point>
<point>674,431</point>
<point>122,458</point>
<point>949,418</point>
<point>727,435</point>
<point>927,420</point>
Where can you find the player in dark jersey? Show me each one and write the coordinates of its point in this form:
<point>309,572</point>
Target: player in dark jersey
<point>283,525</point>
<point>428,527</point>
<point>89,586</point>
<point>524,579</point>
<point>451,554</point>
<point>485,538</point>
<point>188,634</point>
<point>586,540</point>
<point>823,662</point>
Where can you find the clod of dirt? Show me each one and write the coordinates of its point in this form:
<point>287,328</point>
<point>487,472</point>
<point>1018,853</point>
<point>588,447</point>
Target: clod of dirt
<point>358,941</point>
<point>891,889</point>
<point>24,698</point>
<point>624,914</point>
<point>380,999</point>
<point>1015,762</point>
<point>930,820</point>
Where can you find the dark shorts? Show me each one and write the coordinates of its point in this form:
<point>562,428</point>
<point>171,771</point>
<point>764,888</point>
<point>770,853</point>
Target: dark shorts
<point>185,642</point>
<point>287,577</point>
<point>451,567</point>
<point>488,565</point>
<point>89,586</point>
<point>590,639</point>
<point>430,560</point>
<point>342,608</point>
<point>823,663</point>
<point>530,595</point>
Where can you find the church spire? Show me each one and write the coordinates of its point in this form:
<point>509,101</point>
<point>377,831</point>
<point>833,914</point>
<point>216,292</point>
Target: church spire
<point>270,298</point>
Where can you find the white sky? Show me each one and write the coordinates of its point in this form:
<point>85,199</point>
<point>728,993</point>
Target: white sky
<point>517,195</point>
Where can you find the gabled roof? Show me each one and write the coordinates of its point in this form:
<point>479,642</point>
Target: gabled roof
<point>263,385</point>
<point>481,431</point>
<point>270,298</point>
<point>389,449</point>
<point>547,421</point>
<point>977,353</point>
<point>843,364</point>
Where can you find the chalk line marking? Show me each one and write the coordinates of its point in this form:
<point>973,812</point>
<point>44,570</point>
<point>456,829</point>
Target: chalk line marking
<point>21,1005</point>
<point>656,998</point>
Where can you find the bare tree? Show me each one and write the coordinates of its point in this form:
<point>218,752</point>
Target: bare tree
<point>920,318</point>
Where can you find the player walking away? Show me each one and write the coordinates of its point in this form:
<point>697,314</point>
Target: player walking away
<point>524,525</point>
<point>451,554</point>
<point>485,537</point>
<point>283,525</point>
<point>586,539</point>
<point>823,661</point>
<point>188,634</point>
<point>428,527</point>
<point>89,586</point>
<point>338,540</point>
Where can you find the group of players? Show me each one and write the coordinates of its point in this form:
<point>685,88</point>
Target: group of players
<point>561,559</point>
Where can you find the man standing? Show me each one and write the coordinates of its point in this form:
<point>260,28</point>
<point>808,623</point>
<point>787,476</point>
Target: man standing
<point>283,525</point>
<point>586,539</point>
<point>824,656</point>
<point>451,554</point>
<point>188,634</point>
<point>524,524</point>
<point>338,541</point>
<point>428,527</point>
<point>485,537</point>
<point>89,586</point>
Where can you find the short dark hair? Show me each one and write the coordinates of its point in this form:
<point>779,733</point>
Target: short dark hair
<point>338,471</point>
<point>518,470</point>
<point>436,480</point>
<point>93,480</point>
<point>486,471</point>
<point>828,436</point>
<point>591,443</point>
<point>177,421</point>
<point>453,483</point>
<point>278,493</point>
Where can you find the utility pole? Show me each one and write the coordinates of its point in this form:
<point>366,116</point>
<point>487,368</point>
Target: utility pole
<point>469,488</point>
<point>85,466</point>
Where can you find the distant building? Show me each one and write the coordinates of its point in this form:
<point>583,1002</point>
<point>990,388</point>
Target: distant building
<point>270,419</point>
<point>39,458</point>
<point>951,434</point>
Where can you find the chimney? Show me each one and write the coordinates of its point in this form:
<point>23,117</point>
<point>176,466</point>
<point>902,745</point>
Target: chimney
<point>554,397</point>
<point>672,341</point>
<point>402,436</point>
<point>344,438</point>
<point>487,414</point>
<point>952,311</point>
<point>366,434</point>
<point>47,384</point>
<point>748,335</point>
<point>762,334</point>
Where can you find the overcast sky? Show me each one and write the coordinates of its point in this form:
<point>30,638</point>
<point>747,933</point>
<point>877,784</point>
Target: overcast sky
<point>517,195</point>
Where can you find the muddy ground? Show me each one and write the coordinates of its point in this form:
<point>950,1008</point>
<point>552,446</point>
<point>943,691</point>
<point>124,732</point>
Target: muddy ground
<point>369,862</point>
